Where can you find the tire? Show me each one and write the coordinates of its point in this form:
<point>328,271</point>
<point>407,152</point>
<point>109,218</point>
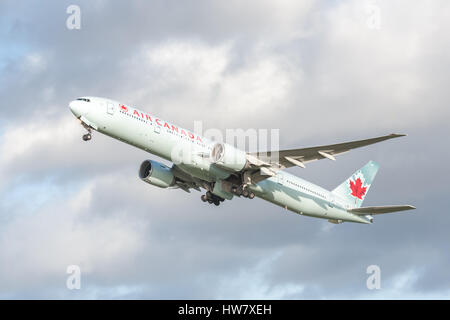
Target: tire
<point>203,197</point>
<point>217,202</point>
<point>251,195</point>
<point>245,193</point>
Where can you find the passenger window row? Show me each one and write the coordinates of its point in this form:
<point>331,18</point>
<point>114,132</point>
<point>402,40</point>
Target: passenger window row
<point>306,189</point>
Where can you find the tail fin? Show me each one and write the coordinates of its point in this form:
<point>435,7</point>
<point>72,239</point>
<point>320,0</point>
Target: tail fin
<point>355,188</point>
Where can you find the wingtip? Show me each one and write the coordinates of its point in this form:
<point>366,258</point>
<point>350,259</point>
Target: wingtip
<point>397,135</point>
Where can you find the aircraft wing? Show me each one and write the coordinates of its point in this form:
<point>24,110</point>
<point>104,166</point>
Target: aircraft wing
<point>298,157</point>
<point>379,210</point>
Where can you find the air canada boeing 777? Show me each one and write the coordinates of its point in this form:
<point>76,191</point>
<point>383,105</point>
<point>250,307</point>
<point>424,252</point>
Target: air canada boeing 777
<point>224,171</point>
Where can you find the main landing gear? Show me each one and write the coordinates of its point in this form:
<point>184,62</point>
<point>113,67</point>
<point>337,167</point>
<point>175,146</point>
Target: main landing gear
<point>212,198</point>
<point>242,191</point>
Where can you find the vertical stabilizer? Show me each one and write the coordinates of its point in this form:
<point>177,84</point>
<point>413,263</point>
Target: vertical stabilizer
<point>355,188</point>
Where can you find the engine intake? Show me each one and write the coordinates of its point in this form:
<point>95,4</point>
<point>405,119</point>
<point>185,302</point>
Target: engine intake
<point>228,157</point>
<point>156,174</point>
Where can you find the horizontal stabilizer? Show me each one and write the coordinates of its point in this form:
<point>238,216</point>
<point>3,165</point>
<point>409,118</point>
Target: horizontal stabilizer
<point>379,210</point>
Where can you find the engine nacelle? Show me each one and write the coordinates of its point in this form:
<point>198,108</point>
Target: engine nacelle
<point>228,157</point>
<point>156,174</point>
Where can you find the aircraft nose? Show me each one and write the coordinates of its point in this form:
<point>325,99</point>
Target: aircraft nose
<point>77,108</point>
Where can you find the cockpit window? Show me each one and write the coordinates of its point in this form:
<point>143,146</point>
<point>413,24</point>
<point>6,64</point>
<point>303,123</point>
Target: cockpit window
<point>84,99</point>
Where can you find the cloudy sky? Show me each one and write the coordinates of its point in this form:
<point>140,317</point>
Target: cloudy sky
<point>320,71</point>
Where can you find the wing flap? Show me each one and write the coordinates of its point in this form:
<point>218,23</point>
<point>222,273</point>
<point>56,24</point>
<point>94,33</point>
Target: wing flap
<point>379,210</point>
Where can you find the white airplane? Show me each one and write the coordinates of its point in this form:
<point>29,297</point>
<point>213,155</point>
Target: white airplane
<point>225,171</point>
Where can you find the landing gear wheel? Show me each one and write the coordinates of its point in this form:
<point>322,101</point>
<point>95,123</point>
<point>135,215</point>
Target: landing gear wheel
<point>87,137</point>
<point>251,195</point>
<point>245,193</point>
<point>211,198</point>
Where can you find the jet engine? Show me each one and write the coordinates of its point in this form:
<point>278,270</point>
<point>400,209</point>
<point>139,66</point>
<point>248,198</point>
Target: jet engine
<point>156,174</point>
<point>228,157</point>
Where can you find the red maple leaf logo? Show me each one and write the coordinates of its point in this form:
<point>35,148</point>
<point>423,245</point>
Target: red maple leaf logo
<point>124,108</point>
<point>358,191</point>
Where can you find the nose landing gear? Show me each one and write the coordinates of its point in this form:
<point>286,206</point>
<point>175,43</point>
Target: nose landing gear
<point>88,135</point>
